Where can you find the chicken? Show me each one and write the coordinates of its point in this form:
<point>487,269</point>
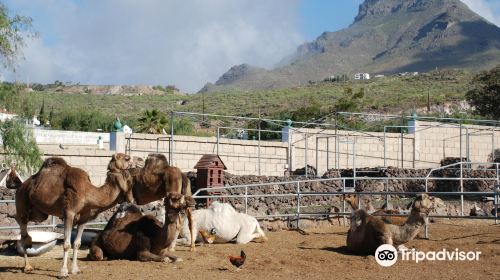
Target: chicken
<point>238,261</point>
<point>208,236</point>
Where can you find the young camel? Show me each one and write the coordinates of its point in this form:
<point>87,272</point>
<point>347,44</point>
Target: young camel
<point>368,232</point>
<point>66,192</point>
<point>131,235</point>
<point>156,180</point>
<point>352,200</point>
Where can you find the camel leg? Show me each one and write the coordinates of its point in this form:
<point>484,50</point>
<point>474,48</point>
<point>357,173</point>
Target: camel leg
<point>22,218</point>
<point>68,225</point>
<point>76,246</point>
<point>171,257</point>
<point>189,212</point>
<point>25,243</point>
<point>147,256</point>
<point>261,233</point>
<point>171,247</point>
<point>143,250</point>
<point>95,252</point>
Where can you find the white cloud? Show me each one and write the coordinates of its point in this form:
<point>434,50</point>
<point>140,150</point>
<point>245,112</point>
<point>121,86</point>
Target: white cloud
<point>185,43</point>
<point>487,9</point>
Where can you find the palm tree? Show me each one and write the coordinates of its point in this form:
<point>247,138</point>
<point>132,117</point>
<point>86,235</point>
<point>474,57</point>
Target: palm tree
<point>153,121</point>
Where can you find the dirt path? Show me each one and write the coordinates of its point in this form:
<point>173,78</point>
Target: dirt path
<point>291,255</point>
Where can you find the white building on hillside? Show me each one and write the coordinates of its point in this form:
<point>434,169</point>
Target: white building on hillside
<point>361,76</point>
<point>5,115</point>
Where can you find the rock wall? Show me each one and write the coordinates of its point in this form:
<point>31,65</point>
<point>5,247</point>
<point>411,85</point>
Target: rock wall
<point>265,206</point>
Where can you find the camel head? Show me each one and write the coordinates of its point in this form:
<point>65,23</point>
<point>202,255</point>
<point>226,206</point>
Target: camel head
<point>424,203</point>
<point>126,208</point>
<point>156,164</point>
<point>137,162</point>
<point>175,201</point>
<point>13,181</point>
<point>351,200</point>
<point>119,161</point>
<point>174,204</point>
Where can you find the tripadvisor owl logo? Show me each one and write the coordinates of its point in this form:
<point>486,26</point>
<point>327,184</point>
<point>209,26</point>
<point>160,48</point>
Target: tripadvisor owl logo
<point>386,255</point>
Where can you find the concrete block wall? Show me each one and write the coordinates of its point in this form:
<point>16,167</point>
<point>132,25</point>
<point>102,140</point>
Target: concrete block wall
<point>423,149</point>
<point>240,156</point>
<point>436,141</point>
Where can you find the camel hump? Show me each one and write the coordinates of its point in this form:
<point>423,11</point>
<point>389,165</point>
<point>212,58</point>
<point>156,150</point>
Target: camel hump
<point>52,161</point>
<point>156,164</point>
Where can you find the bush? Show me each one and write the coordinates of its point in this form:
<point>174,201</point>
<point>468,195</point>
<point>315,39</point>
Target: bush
<point>485,94</point>
<point>20,147</point>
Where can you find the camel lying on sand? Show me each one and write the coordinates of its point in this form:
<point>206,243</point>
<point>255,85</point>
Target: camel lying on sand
<point>66,192</point>
<point>227,223</point>
<point>156,180</point>
<point>131,235</point>
<point>368,232</point>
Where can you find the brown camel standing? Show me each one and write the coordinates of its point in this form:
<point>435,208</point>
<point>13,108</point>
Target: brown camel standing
<point>367,232</point>
<point>66,192</point>
<point>156,180</point>
<point>131,235</point>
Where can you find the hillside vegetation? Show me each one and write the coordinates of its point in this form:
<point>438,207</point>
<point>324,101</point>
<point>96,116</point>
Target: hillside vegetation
<point>392,94</point>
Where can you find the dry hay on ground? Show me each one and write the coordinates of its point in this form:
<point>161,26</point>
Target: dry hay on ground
<point>320,254</point>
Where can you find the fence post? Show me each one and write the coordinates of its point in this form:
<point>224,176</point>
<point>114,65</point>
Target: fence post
<point>461,141</point>
<point>497,190</point>
<point>343,203</point>
<point>218,139</point>
<point>385,145</point>
<point>298,204</point>
<point>171,146</point>
<point>258,150</point>
<point>317,160</point>
<point>461,189</point>
<point>327,153</point>
<point>246,200</point>
<point>305,154</point>
<point>402,147</point>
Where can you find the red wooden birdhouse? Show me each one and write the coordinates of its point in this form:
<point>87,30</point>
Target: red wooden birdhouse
<point>210,171</point>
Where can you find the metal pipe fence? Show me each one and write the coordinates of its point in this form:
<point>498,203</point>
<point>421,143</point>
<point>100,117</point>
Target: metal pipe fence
<point>300,193</point>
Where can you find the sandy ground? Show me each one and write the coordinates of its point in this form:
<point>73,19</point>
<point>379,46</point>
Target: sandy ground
<point>318,254</point>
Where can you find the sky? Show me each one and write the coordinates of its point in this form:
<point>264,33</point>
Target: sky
<point>169,42</point>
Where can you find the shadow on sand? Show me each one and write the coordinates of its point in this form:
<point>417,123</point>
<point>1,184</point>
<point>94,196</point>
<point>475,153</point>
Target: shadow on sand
<point>341,250</point>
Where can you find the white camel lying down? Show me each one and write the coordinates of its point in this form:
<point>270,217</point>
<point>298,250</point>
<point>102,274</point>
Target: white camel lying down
<point>228,224</point>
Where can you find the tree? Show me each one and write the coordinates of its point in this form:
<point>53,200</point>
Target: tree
<point>153,121</point>
<point>41,114</point>
<point>20,147</point>
<point>485,93</point>
<point>12,32</point>
<point>350,101</point>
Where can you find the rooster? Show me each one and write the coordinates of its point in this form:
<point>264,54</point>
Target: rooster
<point>208,236</point>
<point>238,261</point>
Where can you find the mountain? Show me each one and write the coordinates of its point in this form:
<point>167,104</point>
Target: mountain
<point>387,36</point>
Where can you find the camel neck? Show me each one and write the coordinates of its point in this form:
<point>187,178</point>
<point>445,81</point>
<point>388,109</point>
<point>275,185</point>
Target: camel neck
<point>105,196</point>
<point>409,230</point>
<point>169,228</point>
